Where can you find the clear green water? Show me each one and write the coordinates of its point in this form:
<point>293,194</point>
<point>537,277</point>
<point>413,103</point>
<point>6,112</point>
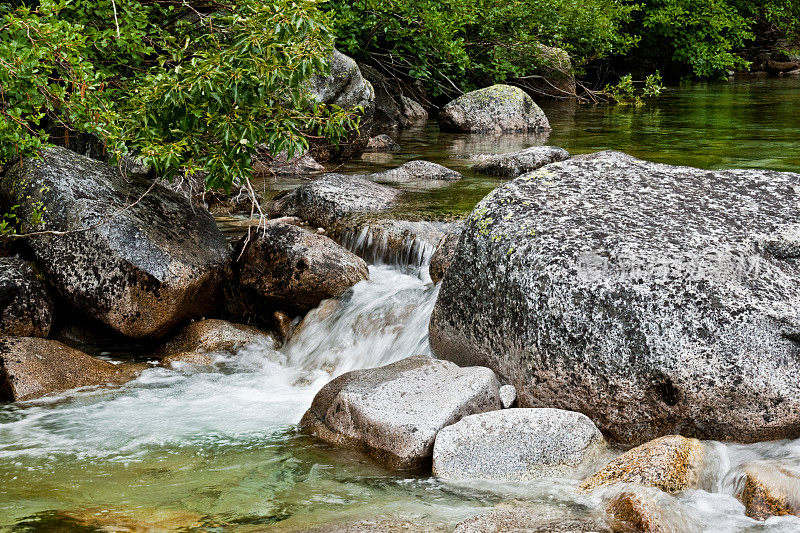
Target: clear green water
<point>218,450</point>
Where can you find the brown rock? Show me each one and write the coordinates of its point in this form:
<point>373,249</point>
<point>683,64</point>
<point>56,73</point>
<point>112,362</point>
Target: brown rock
<point>770,490</point>
<point>444,253</point>
<point>640,512</point>
<point>32,367</point>
<point>286,267</point>
<point>283,324</point>
<point>203,337</point>
<point>672,464</point>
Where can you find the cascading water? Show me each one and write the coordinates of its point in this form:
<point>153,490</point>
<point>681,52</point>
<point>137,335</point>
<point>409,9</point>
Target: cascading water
<point>412,254</point>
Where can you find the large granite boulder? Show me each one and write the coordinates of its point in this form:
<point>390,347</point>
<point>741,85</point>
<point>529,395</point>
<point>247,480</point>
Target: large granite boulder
<point>283,266</point>
<point>26,308</point>
<point>517,445</point>
<point>415,171</point>
<point>495,109</point>
<point>394,412</point>
<point>654,299</point>
<point>555,75</point>
<point>140,263</point>
<point>346,88</point>
<point>392,109</point>
<point>324,200</point>
<point>32,367</point>
<point>517,163</point>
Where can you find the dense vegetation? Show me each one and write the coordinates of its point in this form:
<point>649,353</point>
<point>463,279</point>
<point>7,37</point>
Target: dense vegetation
<point>203,85</point>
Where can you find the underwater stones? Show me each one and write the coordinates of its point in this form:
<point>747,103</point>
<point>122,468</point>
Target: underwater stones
<point>672,464</point>
<point>508,396</point>
<point>330,197</point>
<point>518,163</point>
<point>770,489</point>
<point>516,445</point>
<point>283,266</point>
<point>532,519</point>
<point>443,254</point>
<point>33,367</point>
<point>495,109</point>
<point>414,171</point>
<point>394,412</point>
<point>194,342</point>
<point>26,308</point>
<point>141,263</point>
<point>382,143</point>
<point>655,299</point>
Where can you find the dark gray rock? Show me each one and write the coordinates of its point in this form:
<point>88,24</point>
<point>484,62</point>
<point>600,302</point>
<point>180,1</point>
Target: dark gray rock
<point>495,109</point>
<point>32,367</point>
<point>382,143</point>
<point>518,163</point>
<point>417,171</point>
<point>26,308</point>
<point>392,109</point>
<point>655,299</point>
<point>325,200</point>
<point>516,445</point>
<point>139,268</point>
<point>346,88</point>
<point>281,165</point>
<point>283,266</point>
<point>394,412</point>
<point>554,75</point>
<point>443,254</point>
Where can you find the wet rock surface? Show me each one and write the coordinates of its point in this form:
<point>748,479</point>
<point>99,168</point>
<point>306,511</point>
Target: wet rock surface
<point>140,269</point>
<point>194,342</point>
<point>325,200</point>
<point>672,464</point>
<point>655,299</point>
<point>283,266</point>
<point>417,171</point>
<point>394,412</point>
<point>517,163</point>
<point>515,445</point>
<point>641,512</point>
<point>770,489</point>
<point>26,308</point>
<point>444,253</point>
<point>532,519</point>
<point>382,143</point>
<point>33,367</point>
<point>495,109</point>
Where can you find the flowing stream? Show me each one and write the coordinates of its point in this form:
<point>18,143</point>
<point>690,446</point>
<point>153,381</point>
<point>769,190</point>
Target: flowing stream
<point>219,449</point>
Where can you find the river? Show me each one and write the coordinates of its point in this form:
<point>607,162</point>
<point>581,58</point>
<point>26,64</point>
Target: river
<point>219,449</point>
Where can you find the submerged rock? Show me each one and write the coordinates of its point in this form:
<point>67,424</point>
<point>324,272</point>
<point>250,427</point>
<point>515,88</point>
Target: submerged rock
<point>394,412</point>
<point>532,519</point>
<point>283,266</point>
<point>323,201</point>
<point>382,143</point>
<point>198,339</point>
<point>672,464</point>
<point>495,109</point>
<point>654,299</point>
<point>140,264</point>
<point>518,163</point>
<point>32,367</point>
<point>517,445</point>
<point>770,489</point>
<point>444,253</point>
<point>26,308</point>
<point>417,171</point>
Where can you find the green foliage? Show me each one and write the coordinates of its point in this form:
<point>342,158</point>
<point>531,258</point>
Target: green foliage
<point>187,85</point>
<point>628,91</point>
<point>464,44</point>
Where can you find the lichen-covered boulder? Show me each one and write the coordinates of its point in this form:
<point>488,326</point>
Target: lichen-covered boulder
<point>517,445</point>
<point>495,109</point>
<point>384,240</point>
<point>394,412</point>
<point>518,163</point>
<point>672,464</point>
<point>346,88</point>
<point>140,263</point>
<point>330,197</point>
<point>283,266</point>
<point>195,342</point>
<point>655,299</point>
<point>417,171</point>
<point>770,489</point>
<point>26,308</point>
<point>444,253</point>
<point>33,367</point>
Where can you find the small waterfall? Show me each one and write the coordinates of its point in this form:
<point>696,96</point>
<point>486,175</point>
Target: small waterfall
<point>380,247</point>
